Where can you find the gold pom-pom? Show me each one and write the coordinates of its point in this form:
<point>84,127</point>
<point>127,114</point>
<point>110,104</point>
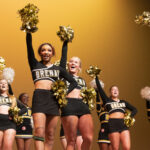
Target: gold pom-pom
<point>128,120</point>
<point>57,63</point>
<point>93,71</point>
<point>89,96</point>
<point>29,18</point>
<point>60,91</point>
<point>14,113</point>
<point>2,64</point>
<point>65,33</point>
<point>143,19</point>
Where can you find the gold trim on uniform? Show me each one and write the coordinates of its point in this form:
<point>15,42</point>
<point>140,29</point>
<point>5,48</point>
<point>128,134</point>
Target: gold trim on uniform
<point>105,121</point>
<point>103,141</point>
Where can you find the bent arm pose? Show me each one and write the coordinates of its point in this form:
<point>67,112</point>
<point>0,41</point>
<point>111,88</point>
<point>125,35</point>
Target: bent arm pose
<point>116,108</point>
<point>7,126</point>
<point>76,114</point>
<point>45,108</point>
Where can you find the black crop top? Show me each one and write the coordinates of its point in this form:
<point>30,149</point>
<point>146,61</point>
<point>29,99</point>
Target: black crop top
<point>42,72</point>
<point>114,106</point>
<point>148,109</point>
<point>80,81</point>
<point>8,102</point>
<point>5,101</point>
<point>102,114</point>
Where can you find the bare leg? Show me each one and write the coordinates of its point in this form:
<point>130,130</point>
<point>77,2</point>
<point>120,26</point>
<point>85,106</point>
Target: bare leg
<point>79,141</point>
<point>63,143</point>
<point>109,147</point>
<point>115,140</point>
<point>51,124</point>
<point>39,126</point>
<point>86,129</point>
<point>1,139</point>
<point>8,140</point>
<point>103,146</point>
<point>70,124</point>
<point>20,143</point>
<point>125,140</point>
<point>27,144</point>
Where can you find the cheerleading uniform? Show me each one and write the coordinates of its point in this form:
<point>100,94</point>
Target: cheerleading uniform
<point>24,130</point>
<point>115,124</point>
<point>104,118</point>
<point>148,109</point>
<point>75,106</point>
<point>5,122</point>
<point>44,100</point>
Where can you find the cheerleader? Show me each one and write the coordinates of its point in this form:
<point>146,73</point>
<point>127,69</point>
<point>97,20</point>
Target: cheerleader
<point>7,125</point>
<point>145,94</point>
<point>24,130</point>
<point>63,140</point>
<point>76,115</point>
<point>116,108</point>
<point>45,108</point>
<point>103,140</point>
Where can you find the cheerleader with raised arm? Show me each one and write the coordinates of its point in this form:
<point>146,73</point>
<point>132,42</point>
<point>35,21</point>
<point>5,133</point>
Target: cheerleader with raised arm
<point>118,130</point>
<point>24,130</point>
<point>76,114</point>
<point>103,140</point>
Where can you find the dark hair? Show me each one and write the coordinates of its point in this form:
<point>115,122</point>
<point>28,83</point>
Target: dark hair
<point>40,47</point>
<point>20,96</point>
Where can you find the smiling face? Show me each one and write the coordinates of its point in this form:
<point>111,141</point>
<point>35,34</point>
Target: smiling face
<point>24,98</point>
<point>3,86</point>
<point>114,92</point>
<point>46,53</point>
<point>74,65</point>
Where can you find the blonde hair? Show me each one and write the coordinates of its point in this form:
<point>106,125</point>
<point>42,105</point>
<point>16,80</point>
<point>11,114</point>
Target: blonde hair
<point>12,97</point>
<point>80,70</point>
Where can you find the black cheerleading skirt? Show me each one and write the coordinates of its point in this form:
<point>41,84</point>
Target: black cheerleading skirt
<point>75,107</point>
<point>116,125</point>
<point>62,134</point>
<point>103,134</point>
<point>24,130</point>
<point>6,123</point>
<point>45,102</point>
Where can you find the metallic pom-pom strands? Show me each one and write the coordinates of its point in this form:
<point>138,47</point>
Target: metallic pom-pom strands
<point>14,112</point>
<point>60,91</point>
<point>143,19</point>
<point>128,120</point>
<point>65,33</point>
<point>57,63</point>
<point>89,96</point>
<point>93,71</point>
<point>29,18</point>
<point>2,64</point>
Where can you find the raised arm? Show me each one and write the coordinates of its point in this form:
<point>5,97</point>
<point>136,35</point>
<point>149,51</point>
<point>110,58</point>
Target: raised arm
<point>98,104</point>
<point>131,108</point>
<point>64,74</point>
<point>63,60</point>
<point>104,97</point>
<point>30,52</point>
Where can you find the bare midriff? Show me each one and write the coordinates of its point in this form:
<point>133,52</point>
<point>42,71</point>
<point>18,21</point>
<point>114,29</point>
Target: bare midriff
<point>117,115</point>
<point>43,84</point>
<point>4,109</point>
<point>76,93</point>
